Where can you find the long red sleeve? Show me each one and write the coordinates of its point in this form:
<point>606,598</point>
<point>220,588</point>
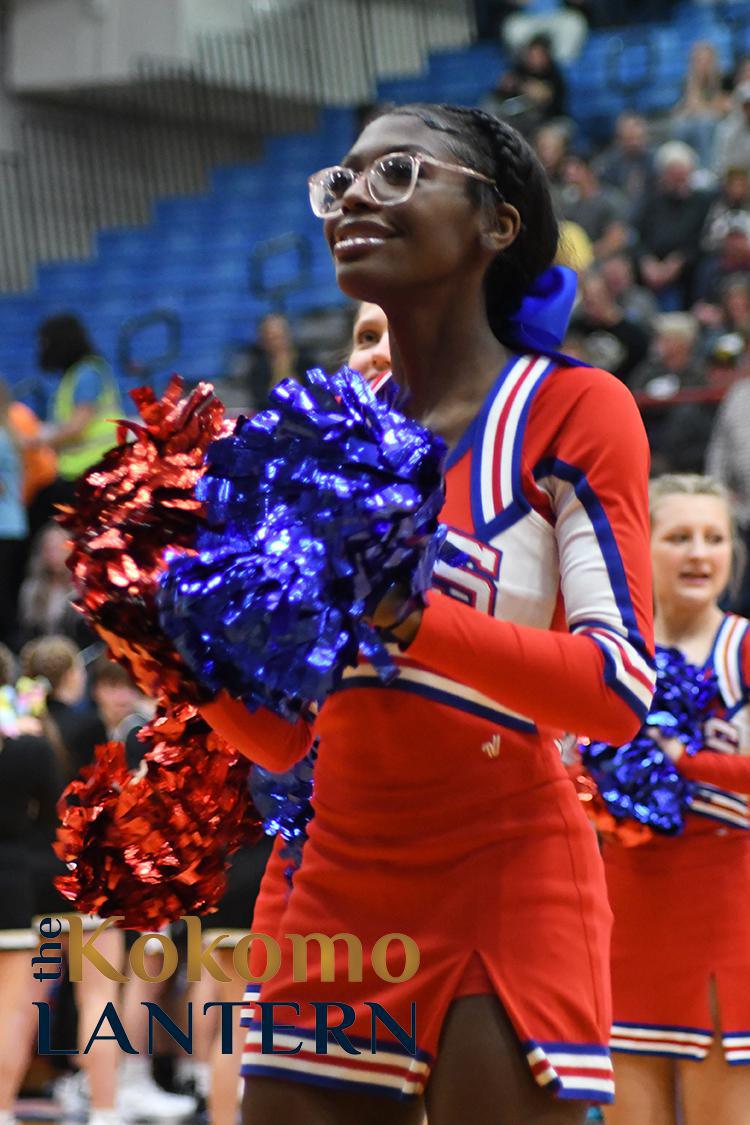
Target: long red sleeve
<point>586,451</point>
<point>263,737</point>
<point>554,679</point>
<point>726,771</point>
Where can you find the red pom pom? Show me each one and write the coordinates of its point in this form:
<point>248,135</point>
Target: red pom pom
<point>135,503</point>
<point>152,846</point>
<point>149,846</point>
<point>627,832</point>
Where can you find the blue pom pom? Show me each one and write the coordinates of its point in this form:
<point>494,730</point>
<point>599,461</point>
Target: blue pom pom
<point>315,508</point>
<point>638,779</point>
<point>282,800</point>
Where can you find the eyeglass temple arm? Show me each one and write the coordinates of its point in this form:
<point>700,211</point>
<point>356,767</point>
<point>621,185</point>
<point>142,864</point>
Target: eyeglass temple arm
<point>458,168</point>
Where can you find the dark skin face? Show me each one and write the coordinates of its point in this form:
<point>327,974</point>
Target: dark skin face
<point>424,262</point>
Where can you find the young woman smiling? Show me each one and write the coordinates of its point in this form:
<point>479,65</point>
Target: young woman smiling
<point>371,349</point>
<point>442,809</point>
<point>681,943</point>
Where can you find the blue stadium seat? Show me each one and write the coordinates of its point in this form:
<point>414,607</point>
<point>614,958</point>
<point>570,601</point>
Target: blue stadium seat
<point>19,312</point>
<point>402,90</point>
<point>124,242</point>
<point>65,277</point>
<point>114,275</point>
<point>320,297</point>
<point>194,364</point>
<point>182,210</point>
<point>338,125</point>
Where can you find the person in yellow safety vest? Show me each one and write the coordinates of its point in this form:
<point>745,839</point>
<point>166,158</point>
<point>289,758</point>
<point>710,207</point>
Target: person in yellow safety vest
<point>87,400</point>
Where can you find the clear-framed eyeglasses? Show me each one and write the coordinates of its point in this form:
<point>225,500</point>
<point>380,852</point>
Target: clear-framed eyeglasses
<point>390,179</point>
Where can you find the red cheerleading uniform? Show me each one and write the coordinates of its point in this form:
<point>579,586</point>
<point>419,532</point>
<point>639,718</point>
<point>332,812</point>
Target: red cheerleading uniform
<point>682,904</point>
<point>442,808</point>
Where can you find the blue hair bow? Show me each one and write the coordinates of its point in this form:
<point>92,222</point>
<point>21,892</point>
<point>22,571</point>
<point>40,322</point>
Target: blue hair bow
<point>541,321</point>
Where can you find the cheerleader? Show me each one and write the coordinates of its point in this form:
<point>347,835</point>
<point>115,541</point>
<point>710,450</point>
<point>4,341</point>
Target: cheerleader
<point>371,349</point>
<point>442,808</point>
<point>681,943</point>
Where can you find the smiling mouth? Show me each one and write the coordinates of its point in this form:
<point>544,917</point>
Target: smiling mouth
<point>355,243</point>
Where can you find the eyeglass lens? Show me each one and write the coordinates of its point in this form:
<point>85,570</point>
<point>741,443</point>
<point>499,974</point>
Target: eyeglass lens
<point>389,179</point>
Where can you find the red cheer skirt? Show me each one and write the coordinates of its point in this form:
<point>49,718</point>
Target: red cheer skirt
<point>487,863</point>
<point>682,920</point>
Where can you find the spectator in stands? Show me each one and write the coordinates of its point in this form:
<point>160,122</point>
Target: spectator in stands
<point>728,459</point>
<point>678,433</point>
<point>76,730</point>
<point>608,335</point>
<point>42,488</point>
<point>704,102</point>
<point>273,357</point>
<point>669,226</point>
<point>120,705</point>
<point>740,74</point>
<point>47,593</point>
<point>532,91</point>
<point>735,305</point>
<point>564,24</point>
<point>600,210</point>
<point>733,203</point>
<point>29,787</point>
<point>628,163</point>
<point>730,316</point>
<point>732,147</point>
<point>675,360</point>
<point>38,462</point>
<point>637,303</point>
<point>727,361</point>
<point>87,401</point>
<point>732,255</point>
<point>551,145</point>
<point>13,522</point>
<point>79,727</point>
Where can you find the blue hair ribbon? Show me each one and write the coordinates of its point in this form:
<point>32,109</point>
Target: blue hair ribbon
<point>541,321</point>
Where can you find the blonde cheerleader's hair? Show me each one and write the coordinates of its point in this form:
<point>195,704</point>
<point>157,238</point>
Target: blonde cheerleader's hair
<point>687,484</point>
<point>693,484</point>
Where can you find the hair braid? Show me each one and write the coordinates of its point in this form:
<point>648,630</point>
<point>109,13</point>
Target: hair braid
<point>495,148</point>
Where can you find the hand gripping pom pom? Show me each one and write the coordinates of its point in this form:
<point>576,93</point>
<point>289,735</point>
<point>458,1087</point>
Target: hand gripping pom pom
<point>638,781</point>
<point>315,508</point>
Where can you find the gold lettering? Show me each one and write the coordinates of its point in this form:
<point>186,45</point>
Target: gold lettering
<point>138,958</point>
<point>379,957</point>
<point>199,958</point>
<point>241,957</point>
<point>77,951</point>
<point>327,955</point>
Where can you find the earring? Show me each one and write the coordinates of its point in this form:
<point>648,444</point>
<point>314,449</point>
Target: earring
<point>492,240</point>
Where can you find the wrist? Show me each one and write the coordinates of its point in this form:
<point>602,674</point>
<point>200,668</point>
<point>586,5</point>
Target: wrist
<point>405,631</point>
<point>674,749</point>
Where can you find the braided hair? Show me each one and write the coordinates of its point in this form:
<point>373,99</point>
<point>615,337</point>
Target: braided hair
<point>493,147</point>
